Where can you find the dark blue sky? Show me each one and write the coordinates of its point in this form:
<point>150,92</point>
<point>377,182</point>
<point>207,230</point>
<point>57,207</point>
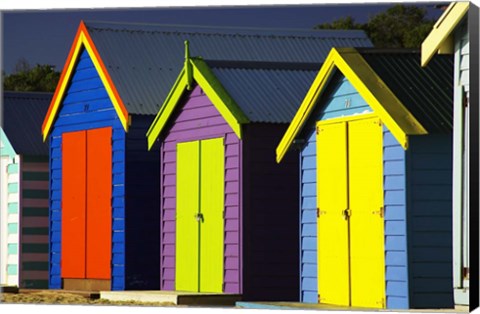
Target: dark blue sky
<point>44,37</point>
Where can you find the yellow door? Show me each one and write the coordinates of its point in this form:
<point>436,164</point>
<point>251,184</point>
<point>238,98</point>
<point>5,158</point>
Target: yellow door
<point>367,266</point>
<point>350,243</point>
<point>332,241</point>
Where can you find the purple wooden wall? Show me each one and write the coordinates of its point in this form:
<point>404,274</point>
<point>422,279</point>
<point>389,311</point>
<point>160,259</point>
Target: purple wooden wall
<point>198,119</point>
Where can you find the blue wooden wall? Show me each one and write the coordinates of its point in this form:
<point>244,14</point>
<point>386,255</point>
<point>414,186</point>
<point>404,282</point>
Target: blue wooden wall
<point>308,222</point>
<point>341,99</point>
<point>86,88</point>
<point>429,166</point>
<point>395,203</point>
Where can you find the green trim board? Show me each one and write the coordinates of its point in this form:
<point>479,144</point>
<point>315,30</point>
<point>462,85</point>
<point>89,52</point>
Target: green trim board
<point>12,248</point>
<point>13,187</point>
<point>369,85</point>
<point>12,228</point>
<point>204,77</point>
<point>440,38</point>
<point>12,269</point>
<point>12,208</point>
<point>12,168</point>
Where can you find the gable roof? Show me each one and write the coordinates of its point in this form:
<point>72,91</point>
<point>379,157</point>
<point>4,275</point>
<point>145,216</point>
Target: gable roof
<point>266,92</point>
<point>139,63</point>
<point>242,92</point>
<point>22,117</point>
<point>410,100</point>
<point>439,39</point>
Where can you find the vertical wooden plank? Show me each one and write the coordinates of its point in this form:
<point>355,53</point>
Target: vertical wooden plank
<point>212,182</point>
<point>73,204</point>
<point>187,227</point>
<point>367,262</point>
<point>99,212</point>
<point>332,244</point>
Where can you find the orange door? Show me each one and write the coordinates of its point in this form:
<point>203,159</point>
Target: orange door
<point>86,204</point>
<point>99,193</point>
<point>73,204</point>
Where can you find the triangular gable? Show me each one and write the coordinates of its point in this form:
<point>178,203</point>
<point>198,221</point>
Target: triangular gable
<point>6,148</point>
<point>368,84</point>
<point>440,39</point>
<point>196,69</point>
<point>83,40</point>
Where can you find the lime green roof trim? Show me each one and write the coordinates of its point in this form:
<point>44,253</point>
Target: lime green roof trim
<point>167,109</point>
<point>440,38</point>
<point>220,98</point>
<point>368,84</point>
<point>197,69</point>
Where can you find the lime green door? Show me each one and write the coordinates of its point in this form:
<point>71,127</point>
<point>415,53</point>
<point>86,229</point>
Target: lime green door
<point>199,219</point>
<point>351,264</point>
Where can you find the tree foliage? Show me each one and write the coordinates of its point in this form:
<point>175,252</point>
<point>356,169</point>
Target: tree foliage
<point>400,26</point>
<point>41,78</point>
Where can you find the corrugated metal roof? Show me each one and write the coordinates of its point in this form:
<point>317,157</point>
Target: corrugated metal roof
<point>144,60</point>
<point>426,92</point>
<point>23,114</point>
<point>266,92</point>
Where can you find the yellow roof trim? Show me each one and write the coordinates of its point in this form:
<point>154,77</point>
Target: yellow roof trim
<point>368,84</point>
<point>439,37</point>
<point>83,39</point>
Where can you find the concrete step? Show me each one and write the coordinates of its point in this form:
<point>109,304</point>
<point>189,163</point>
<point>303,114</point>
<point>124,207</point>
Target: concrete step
<point>173,297</point>
<point>328,307</point>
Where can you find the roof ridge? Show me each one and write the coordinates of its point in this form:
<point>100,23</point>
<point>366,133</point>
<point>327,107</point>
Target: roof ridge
<point>222,30</point>
<point>265,65</point>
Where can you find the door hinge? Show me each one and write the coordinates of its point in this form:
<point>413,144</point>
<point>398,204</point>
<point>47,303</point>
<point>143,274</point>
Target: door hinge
<point>318,130</point>
<point>380,212</point>
<point>382,303</point>
<point>320,212</point>
<point>319,299</point>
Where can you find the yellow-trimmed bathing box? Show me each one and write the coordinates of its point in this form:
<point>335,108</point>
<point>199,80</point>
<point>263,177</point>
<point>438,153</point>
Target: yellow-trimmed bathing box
<point>374,140</point>
<point>450,35</point>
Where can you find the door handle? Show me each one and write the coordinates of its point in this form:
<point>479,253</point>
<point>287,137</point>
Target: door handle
<point>346,213</point>
<point>198,217</point>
